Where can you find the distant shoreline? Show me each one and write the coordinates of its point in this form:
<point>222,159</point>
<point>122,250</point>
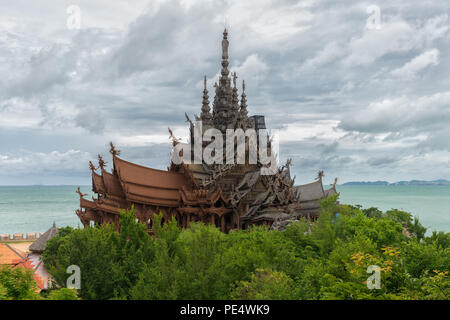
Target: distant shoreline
<point>440,182</point>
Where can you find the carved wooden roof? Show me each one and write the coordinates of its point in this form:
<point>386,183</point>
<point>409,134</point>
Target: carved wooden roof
<point>150,186</point>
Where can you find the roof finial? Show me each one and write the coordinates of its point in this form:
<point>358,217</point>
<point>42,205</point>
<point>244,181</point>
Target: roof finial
<point>80,194</point>
<point>101,162</point>
<point>243,85</point>
<point>204,82</point>
<point>91,166</point>
<point>320,175</point>
<point>113,150</point>
<point>175,140</point>
<point>234,79</point>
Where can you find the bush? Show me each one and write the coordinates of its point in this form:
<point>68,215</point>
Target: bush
<point>17,284</point>
<point>63,294</point>
<point>265,284</point>
<point>327,259</point>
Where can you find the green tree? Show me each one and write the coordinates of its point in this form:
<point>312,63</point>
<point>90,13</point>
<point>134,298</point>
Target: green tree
<point>63,294</point>
<point>17,284</point>
<point>265,284</point>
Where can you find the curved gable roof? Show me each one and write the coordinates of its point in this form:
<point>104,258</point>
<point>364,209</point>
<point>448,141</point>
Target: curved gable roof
<point>150,186</point>
<point>310,191</point>
<point>97,183</point>
<point>112,184</point>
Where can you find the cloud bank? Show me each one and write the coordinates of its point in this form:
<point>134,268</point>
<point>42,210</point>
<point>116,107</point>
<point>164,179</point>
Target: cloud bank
<point>359,103</point>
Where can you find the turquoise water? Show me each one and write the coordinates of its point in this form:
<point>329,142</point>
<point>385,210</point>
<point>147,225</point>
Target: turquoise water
<point>430,203</point>
<point>34,208</point>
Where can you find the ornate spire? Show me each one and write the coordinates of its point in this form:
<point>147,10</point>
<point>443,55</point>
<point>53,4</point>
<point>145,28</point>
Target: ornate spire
<point>235,100</point>
<point>243,113</point>
<point>224,116</point>
<point>225,45</point>
<point>216,100</point>
<point>205,115</point>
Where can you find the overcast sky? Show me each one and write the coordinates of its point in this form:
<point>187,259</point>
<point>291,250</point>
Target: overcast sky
<point>360,100</point>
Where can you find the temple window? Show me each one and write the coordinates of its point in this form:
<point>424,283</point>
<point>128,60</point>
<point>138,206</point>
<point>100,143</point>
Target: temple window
<point>149,224</point>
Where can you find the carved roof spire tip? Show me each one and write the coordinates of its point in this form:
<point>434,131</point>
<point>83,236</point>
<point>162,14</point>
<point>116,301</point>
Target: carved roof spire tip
<point>113,150</point>
<point>101,162</point>
<point>91,166</point>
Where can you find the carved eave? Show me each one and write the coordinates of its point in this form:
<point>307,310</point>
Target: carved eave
<point>198,211</point>
<point>202,197</point>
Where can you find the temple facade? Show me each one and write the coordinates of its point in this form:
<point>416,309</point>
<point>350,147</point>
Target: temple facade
<point>229,196</point>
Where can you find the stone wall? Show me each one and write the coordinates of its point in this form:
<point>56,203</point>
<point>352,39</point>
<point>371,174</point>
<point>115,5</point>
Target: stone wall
<point>32,236</point>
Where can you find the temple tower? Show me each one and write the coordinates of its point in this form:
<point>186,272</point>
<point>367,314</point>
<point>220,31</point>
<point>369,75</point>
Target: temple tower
<point>243,113</point>
<point>235,101</point>
<point>205,115</point>
<point>223,114</point>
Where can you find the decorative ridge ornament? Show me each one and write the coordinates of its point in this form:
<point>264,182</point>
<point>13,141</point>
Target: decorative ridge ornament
<point>80,193</point>
<point>113,150</point>
<point>101,163</point>
<point>91,166</point>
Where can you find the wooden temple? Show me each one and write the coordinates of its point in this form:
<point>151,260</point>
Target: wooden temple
<point>229,196</point>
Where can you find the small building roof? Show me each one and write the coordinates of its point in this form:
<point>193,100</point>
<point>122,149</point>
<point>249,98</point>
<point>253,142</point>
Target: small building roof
<point>37,268</point>
<point>9,255</point>
<point>39,245</point>
<point>330,192</point>
<point>310,191</point>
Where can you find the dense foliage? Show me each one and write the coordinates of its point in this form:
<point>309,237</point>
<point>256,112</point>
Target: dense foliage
<point>16,284</point>
<point>324,260</point>
<point>19,284</point>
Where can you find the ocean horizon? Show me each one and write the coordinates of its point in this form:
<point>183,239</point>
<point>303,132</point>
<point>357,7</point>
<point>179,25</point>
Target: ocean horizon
<point>25,209</point>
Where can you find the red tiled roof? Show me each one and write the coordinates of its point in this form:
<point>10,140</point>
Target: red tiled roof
<point>27,264</point>
<point>16,258</point>
<point>9,255</point>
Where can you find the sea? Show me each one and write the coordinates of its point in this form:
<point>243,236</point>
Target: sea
<point>25,209</point>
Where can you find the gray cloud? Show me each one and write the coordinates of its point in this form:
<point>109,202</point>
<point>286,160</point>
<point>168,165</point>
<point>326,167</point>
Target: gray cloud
<point>347,98</point>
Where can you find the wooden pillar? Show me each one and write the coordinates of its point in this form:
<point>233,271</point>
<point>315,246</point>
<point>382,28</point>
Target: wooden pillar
<point>212,220</point>
<point>188,220</point>
<point>239,220</point>
<point>222,223</point>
